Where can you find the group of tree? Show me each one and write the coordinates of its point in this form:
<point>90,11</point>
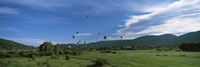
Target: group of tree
<point>190,46</point>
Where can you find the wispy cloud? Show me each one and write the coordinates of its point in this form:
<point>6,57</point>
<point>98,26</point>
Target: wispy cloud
<point>41,4</point>
<point>10,29</point>
<point>83,34</point>
<point>8,10</point>
<point>43,20</point>
<point>181,16</point>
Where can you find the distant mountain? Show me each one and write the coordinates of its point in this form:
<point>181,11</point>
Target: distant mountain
<point>152,40</point>
<point>149,40</point>
<point>8,44</point>
<point>163,40</point>
<point>190,37</point>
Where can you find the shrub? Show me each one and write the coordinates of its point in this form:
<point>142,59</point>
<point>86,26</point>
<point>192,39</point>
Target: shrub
<point>67,57</point>
<point>68,52</point>
<point>60,52</point>
<point>157,55</point>
<point>158,49</point>
<point>54,57</point>
<point>165,55</point>
<point>182,55</point>
<point>33,56</point>
<point>107,51</point>
<point>114,52</point>
<point>100,62</point>
<point>76,52</point>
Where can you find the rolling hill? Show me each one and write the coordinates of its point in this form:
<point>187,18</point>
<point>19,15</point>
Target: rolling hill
<point>8,44</point>
<point>148,40</point>
<point>152,40</point>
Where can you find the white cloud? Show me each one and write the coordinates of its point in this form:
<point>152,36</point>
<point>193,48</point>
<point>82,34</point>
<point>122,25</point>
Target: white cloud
<point>176,25</point>
<point>8,10</point>
<point>178,17</point>
<point>83,34</point>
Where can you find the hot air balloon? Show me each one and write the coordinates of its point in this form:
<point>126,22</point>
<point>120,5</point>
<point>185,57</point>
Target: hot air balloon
<point>87,16</point>
<point>77,43</point>
<point>77,32</point>
<point>105,37</point>
<point>90,10</point>
<point>73,37</point>
<point>121,37</point>
<point>99,33</point>
<point>118,11</point>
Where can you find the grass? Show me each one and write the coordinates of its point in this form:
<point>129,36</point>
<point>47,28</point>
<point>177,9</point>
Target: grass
<point>122,58</point>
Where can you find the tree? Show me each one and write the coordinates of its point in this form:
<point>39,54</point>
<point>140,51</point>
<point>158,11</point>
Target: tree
<point>56,49</point>
<point>190,46</point>
<point>46,47</point>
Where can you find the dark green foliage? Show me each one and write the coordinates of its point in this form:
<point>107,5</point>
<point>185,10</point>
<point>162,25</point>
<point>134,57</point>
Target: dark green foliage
<point>106,51</point>
<point>56,49</point>
<point>11,54</point>
<point>46,47</point>
<point>158,49</point>
<point>183,55</point>
<point>67,57</point>
<point>54,56</point>
<point>157,55</point>
<point>61,52</point>
<point>114,52</point>
<point>165,55</point>
<point>100,62</point>
<point>190,46</point>
<point>33,56</point>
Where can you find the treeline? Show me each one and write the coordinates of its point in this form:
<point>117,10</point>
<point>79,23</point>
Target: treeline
<point>45,49</point>
<point>190,46</point>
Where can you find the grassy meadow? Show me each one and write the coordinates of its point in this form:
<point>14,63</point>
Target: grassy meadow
<point>122,58</point>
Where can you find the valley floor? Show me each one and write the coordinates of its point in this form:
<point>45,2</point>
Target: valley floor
<point>122,58</point>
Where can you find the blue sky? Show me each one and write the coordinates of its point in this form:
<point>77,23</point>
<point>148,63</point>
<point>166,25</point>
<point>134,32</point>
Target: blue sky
<point>32,22</point>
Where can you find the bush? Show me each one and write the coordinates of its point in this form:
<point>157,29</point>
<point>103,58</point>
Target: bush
<point>158,49</point>
<point>76,52</point>
<point>60,52</point>
<point>54,57</point>
<point>114,52</point>
<point>33,56</point>
<point>157,55</point>
<point>100,62</point>
<point>190,47</point>
<point>67,57</point>
<point>106,51</point>
<point>182,55</point>
<point>165,55</point>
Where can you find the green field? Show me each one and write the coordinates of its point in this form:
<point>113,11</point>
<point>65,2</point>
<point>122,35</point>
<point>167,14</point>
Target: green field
<point>122,58</point>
